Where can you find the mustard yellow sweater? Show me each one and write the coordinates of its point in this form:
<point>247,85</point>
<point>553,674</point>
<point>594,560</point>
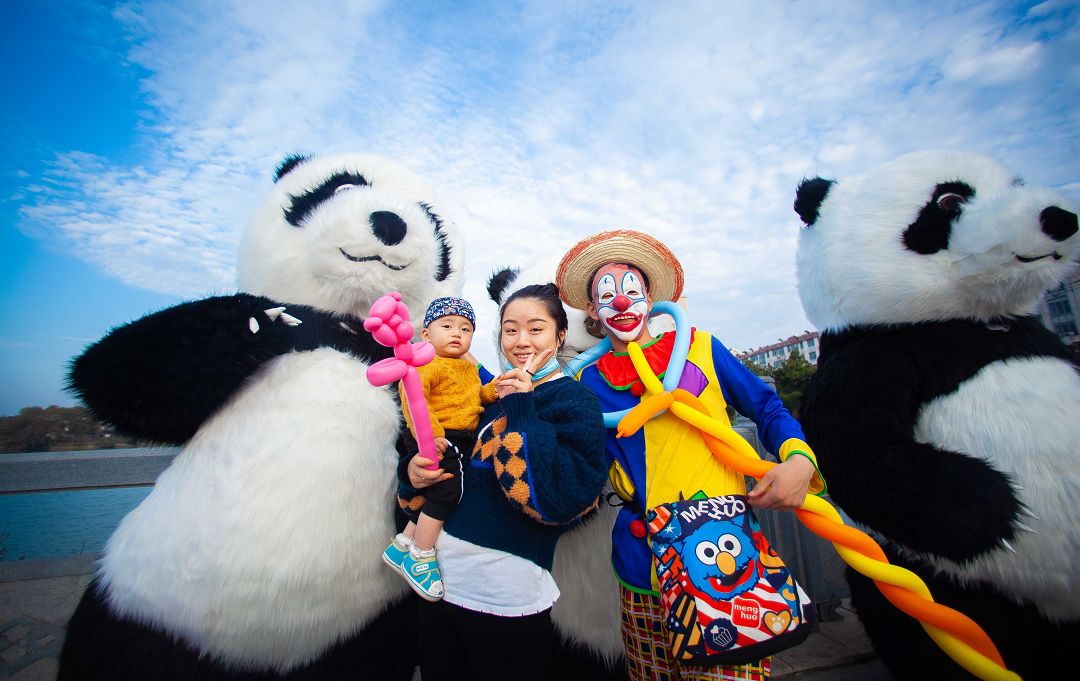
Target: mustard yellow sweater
<point>453,393</point>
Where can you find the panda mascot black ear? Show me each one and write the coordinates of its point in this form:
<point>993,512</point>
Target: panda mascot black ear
<point>289,162</point>
<point>809,196</point>
<point>499,283</point>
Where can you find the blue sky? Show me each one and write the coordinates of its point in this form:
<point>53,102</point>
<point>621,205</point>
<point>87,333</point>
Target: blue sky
<point>139,136</point>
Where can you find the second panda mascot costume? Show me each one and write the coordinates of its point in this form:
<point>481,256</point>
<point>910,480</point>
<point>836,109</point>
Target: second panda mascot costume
<point>258,553</point>
<point>946,417</point>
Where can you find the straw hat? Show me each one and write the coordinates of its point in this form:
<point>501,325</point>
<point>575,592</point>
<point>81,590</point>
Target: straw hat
<point>656,262</point>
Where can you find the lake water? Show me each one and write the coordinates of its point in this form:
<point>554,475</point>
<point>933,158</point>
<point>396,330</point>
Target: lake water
<point>36,525</point>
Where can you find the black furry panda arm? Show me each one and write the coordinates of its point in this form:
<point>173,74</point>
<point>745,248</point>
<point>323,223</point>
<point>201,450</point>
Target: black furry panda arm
<point>860,414</point>
<point>160,377</point>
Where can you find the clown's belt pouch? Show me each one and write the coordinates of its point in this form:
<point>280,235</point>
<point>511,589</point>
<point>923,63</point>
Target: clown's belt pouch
<point>727,596</point>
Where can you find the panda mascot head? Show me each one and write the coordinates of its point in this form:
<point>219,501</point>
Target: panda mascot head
<point>943,413</point>
<point>336,232</point>
<point>257,554</point>
<point>929,236</point>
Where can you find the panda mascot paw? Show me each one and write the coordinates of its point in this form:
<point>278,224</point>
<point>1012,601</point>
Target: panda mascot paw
<point>943,413</point>
<point>586,616</point>
<point>258,553</point>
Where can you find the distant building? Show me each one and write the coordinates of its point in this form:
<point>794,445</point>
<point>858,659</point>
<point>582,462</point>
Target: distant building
<point>776,354</point>
<point>1059,309</point>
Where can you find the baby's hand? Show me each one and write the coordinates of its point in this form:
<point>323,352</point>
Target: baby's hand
<point>441,443</point>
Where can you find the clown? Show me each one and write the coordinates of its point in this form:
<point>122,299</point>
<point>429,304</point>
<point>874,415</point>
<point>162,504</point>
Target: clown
<point>616,277</point>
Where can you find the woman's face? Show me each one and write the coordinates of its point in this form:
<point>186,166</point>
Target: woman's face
<point>527,329</point>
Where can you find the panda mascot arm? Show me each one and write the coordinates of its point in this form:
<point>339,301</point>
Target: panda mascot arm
<point>162,376</point>
<point>921,495</point>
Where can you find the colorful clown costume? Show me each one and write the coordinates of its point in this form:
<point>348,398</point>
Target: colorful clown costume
<point>667,460</point>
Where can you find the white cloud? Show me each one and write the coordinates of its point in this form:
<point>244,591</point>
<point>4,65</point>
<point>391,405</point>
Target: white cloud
<point>996,65</point>
<point>546,122</point>
<point>15,344</point>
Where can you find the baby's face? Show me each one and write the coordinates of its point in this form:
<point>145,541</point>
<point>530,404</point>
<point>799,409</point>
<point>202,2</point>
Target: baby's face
<point>450,335</point>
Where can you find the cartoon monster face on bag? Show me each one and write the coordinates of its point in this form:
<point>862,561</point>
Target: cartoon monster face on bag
<point>720,558</point>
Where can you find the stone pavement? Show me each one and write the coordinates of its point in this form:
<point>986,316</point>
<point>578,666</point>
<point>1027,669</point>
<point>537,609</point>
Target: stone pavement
<point>37,599</point>
<point>836,644</point>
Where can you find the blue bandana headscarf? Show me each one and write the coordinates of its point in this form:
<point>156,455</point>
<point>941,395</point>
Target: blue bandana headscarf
<point>443,307</point>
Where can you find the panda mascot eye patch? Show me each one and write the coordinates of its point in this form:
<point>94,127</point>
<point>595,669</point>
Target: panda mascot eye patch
<point>301,206</point>
<point>943,413</point>
<point>930,231</point>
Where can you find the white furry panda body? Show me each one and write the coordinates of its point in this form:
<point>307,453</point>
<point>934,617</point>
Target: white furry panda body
<point>258,553</point>
<point>1019,416</point>
<point>943,414</point>
<point>254,572</point>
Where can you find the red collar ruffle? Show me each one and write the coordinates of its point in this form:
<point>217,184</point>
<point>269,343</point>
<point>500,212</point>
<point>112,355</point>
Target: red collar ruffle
<point>619,372</point>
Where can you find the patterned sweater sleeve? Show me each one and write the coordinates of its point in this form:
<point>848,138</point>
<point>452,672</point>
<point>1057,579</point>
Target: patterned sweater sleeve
<point>556,474</point>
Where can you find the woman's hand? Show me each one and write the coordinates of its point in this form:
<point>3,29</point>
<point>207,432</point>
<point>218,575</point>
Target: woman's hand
<point>419,475</point>
<point>520,380</point>
<point>783,487</point>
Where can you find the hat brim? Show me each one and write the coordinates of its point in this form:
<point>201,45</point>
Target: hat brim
<point>656,262</point>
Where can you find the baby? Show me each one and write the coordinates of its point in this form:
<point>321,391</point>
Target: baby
<point>452,388</point>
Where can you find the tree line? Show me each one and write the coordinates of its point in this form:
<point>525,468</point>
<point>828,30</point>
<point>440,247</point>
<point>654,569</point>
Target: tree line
<point>48,429</point>
<point>791,379</point>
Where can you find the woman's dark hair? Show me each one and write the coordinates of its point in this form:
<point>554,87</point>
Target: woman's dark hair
<point>588,284</point>
<point>545,294</point>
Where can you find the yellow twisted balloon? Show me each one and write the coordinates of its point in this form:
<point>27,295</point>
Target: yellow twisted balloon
<point>955,633</point>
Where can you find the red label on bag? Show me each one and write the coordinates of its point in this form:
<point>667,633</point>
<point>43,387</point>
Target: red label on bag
<point>745,612</point>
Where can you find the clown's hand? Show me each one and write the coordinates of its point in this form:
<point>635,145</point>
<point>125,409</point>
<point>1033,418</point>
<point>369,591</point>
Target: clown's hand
<point>784,486</point>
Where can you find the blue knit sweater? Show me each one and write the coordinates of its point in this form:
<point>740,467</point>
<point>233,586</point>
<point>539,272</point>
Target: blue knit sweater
<point>537,467</point>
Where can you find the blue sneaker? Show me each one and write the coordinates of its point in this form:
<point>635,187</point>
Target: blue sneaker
<point>395,554</point>
<point>422,574</point>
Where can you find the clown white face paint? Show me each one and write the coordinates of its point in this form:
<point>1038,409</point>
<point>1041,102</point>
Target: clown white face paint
<point>621,302</point>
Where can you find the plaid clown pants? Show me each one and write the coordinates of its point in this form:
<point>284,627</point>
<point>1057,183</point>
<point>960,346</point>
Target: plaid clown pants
<point>648,657</point>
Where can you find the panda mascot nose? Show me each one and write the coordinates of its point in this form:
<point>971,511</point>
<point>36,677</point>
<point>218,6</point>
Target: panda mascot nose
<point>1058,223</point>
<point>390,229</point>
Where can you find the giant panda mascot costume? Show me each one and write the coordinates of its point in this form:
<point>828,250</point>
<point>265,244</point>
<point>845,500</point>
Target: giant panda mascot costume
<point>945,417</point>
<point>257,555</point>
